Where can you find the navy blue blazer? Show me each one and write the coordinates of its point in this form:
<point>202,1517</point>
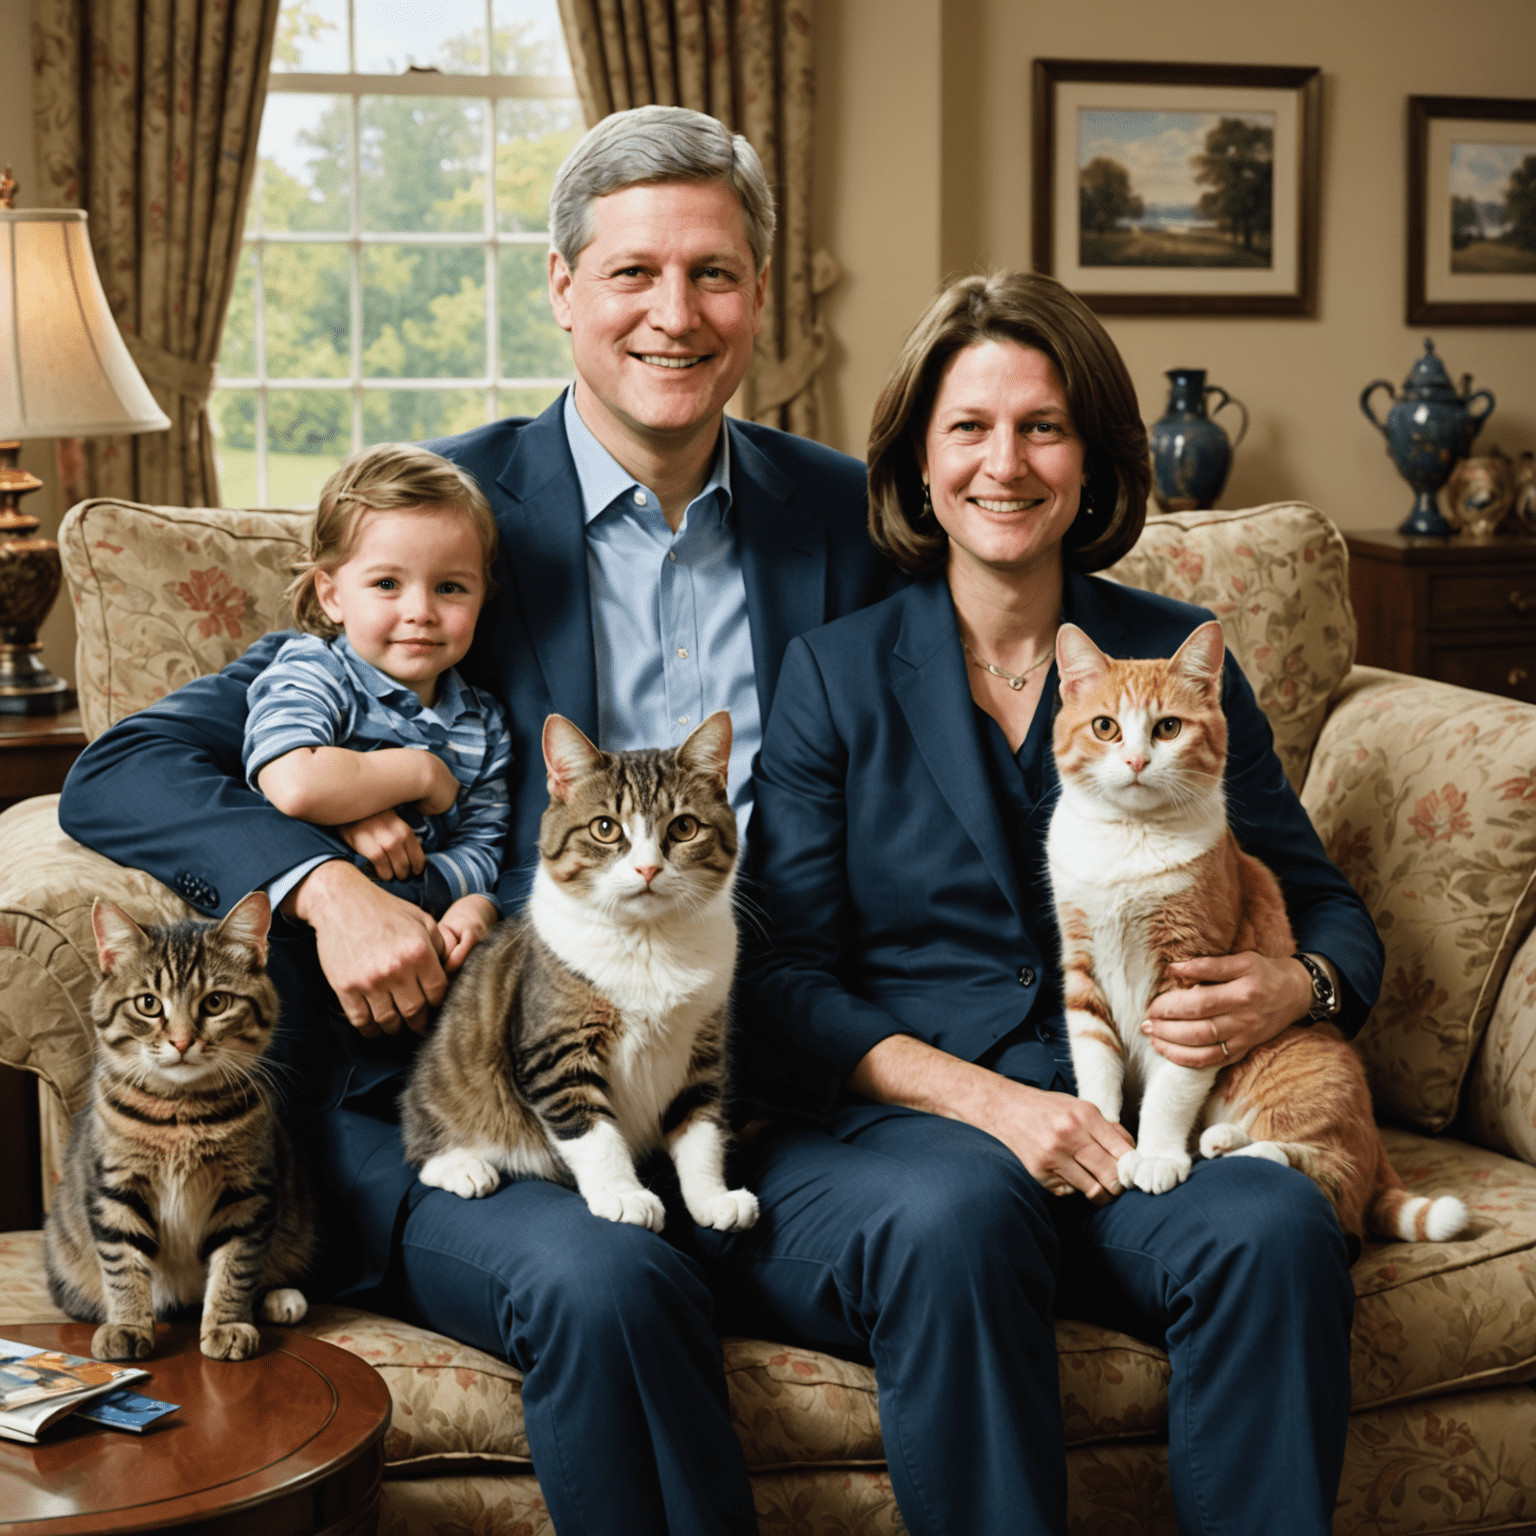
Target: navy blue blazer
<point>893,897</point>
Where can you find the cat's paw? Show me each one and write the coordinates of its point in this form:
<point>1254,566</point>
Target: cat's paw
<point>230,1341</point>
<point>634,1207</point>
<point>1217,1140</point>
<point>460,1173</point>
<point>1154,1175</point>
<point>732,1210</point>
<point>123,1341</point>
<point>285,1305</point>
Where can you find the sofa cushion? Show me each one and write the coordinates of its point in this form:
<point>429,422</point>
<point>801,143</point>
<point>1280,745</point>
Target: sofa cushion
<point>1278,579</point>
<point>1500,1108</point>
<point>1425,796</point>
<point>166,594</point>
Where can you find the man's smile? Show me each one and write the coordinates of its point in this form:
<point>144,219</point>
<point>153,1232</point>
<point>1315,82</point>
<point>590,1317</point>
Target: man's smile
<point>661,360</point>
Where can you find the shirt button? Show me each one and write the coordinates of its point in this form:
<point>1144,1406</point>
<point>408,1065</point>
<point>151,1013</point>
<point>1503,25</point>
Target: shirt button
<point>639,498</point>
<point>672,556</point>
<point>682,653</point>
<point>1026,976</point>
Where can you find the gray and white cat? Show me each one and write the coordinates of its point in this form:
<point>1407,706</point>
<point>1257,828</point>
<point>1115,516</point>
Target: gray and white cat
<point>178,1184</point>
<point>592,1029</point>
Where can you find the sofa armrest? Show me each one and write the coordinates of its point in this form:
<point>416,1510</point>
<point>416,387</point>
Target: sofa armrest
<point>48,966</point>
<point>1424,794</point>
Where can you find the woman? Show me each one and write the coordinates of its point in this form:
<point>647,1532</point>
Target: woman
<point>906,995</point>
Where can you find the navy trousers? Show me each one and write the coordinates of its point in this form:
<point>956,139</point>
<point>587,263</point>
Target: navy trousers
<point>922,1245</point>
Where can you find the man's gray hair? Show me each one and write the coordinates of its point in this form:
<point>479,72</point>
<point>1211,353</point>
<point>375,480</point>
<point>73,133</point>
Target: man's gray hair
<point>656,144</point>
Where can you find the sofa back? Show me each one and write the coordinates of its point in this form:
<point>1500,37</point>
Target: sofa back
<point>166,594</point>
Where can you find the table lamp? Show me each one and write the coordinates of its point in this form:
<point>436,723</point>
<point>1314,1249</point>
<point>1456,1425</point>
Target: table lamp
<point>64,372</point>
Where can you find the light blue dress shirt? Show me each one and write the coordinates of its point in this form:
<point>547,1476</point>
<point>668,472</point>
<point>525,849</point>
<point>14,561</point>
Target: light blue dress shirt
<point>669,610</point>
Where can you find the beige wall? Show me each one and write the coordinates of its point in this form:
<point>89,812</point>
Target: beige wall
<point>58,633</point>
<point>923,169</point>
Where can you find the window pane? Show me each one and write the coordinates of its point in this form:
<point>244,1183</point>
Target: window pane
<point>423,312</point>
<point>304,161</point>
<point>532,345</point>
<point>532,138</point>
<point>308,311</point>
<point>394,34</point>
<point>526,402</point>
<point>309,433</point>
<point>237,348</point>
<point>423,163</point>
<point>311,37</point>
<point>528,39</point>
<point>233,412</point>
<point>411,415</point>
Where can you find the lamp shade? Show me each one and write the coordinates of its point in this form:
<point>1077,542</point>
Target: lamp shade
<point>64,370</point>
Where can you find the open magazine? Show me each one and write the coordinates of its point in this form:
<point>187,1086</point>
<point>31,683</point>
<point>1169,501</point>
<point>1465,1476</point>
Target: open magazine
<point>40,1386</point>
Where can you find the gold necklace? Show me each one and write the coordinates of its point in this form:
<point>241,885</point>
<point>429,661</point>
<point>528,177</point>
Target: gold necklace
<point>1015,680</point>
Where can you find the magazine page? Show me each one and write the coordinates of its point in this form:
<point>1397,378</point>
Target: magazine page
<point>38,1386</point>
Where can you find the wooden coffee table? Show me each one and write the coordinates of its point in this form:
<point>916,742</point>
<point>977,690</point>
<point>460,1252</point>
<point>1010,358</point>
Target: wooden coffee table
<point>288,1444</point>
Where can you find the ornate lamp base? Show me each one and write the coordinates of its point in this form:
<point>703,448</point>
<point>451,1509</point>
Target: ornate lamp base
<point>29,582</point>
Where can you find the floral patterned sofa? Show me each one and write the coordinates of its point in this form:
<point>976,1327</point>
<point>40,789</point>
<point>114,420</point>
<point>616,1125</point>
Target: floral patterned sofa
<point>1425,795</point>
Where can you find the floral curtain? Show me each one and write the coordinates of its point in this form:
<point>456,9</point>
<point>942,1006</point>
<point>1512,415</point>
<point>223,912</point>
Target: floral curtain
<point>147,115</point>
<point>748,63</point>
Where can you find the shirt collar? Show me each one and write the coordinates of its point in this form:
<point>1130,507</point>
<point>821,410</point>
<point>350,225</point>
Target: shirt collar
<point>453,699</point>
<point>603,479</point>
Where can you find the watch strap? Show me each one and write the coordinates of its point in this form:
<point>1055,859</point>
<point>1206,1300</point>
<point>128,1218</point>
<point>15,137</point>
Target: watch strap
<point>1325,996</point>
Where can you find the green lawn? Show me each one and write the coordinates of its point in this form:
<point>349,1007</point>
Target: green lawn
<point>293,479</point>
<point>1492,256</point>
<point>1165,248</point>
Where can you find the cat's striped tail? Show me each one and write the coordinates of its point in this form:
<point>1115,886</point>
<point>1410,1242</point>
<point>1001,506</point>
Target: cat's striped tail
<point>1394,1213</point>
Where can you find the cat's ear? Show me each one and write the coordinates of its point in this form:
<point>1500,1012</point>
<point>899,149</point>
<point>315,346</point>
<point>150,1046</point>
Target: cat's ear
<point>708,747</point>
<point>116,934</point>
<point>1198,661</point>
<point>1079,662</point>
<point>568,756</point>
<point>246,923</point>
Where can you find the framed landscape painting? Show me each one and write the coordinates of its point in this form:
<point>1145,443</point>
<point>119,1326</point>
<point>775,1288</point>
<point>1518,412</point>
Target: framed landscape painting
<point>1178,188</point>
<point>1471,211</point>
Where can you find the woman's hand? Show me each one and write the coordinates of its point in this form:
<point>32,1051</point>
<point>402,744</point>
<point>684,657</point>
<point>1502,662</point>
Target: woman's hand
<point>387,843</point>
<point>1237,1001</point>
<point>462,926</point>
<point>1064,1142</point>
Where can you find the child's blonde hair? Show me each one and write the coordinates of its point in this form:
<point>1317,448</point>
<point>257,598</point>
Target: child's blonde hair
<point>389,477</point>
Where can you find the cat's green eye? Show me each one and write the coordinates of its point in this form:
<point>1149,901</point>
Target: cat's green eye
<point>148,1004</point>
<point>683,829</point>
<point>1167,729</point>
<point>215,1002</point>
<point>605,829</point>
<point>1104,727</point>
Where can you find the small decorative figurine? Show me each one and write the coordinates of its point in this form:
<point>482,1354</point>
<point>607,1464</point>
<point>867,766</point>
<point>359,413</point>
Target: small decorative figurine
<point>1190,453</point>
<point>1479,493</point>
<point>1525,492</point>
<point>1430,426</point>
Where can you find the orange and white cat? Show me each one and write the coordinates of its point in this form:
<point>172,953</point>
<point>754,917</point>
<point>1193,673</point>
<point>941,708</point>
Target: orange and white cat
<point>1146,871</point>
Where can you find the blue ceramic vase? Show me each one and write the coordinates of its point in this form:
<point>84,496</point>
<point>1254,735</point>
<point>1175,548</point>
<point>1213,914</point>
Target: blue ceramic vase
<point>1430,426</point>
<point>1190,453</point>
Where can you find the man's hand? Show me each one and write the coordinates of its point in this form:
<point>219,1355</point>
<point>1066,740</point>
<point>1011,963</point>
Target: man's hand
<point>387,843</point>
<point>462,926</point>
<point>380,954</point>
<point>1239,1001</point>
<point>442,787</point>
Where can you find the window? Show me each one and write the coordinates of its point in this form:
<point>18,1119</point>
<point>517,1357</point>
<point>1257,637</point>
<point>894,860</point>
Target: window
<point>389,288</point>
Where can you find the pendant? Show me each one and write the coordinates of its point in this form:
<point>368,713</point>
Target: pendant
<point>1016,683</point>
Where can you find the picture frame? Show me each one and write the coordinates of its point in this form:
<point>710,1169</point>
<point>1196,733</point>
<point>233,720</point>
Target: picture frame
<point>1467,263</point>
<point>1141,211</point>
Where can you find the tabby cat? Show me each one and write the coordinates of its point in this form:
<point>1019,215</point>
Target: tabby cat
<point>178,1185</point>
<point>592,1029</point>
<point>1146,871</point>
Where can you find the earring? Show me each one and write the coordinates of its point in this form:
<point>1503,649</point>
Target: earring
<point>927,513</point>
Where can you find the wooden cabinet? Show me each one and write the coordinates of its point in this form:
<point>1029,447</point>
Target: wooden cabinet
<point>36,752</point>
<point>1449,609</point>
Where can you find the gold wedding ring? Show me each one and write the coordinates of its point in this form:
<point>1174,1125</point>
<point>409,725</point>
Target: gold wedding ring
<point>1226,1054</point>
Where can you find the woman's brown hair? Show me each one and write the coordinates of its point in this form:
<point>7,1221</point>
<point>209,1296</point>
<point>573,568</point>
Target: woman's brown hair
<point>1031,310</point>
<point>390,477</point>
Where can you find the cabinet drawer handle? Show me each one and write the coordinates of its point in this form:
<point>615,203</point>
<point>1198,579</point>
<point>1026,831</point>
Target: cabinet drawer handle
<point>1517,675</point>
<point>1521,603</point>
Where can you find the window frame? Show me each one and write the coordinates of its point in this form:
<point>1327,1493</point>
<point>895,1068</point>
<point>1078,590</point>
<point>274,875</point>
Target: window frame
<point>415,81</point>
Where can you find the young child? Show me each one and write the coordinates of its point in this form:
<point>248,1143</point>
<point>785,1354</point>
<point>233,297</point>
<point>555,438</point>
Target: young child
<point>361,724</point>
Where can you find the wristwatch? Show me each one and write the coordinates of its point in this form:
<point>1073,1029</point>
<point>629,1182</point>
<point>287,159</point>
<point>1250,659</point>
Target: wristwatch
<point>1325,996</point>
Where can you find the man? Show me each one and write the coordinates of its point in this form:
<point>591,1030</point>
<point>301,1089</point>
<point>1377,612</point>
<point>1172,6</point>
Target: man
<point>655,563</point>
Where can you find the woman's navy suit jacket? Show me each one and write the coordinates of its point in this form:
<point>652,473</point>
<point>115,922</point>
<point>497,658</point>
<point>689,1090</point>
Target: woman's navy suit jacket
<point>896,900</point>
